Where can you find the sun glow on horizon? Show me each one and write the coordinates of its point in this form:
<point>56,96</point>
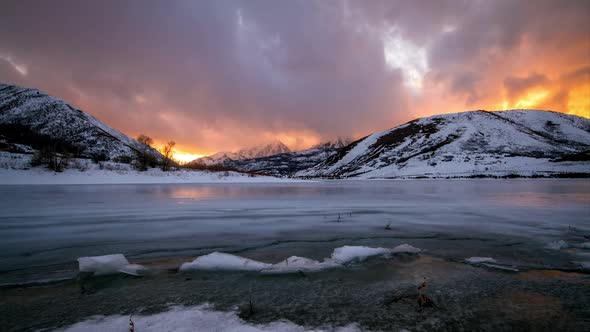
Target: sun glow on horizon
<point>184,157</point>
<point>579,101</point>
<point>180,153</point>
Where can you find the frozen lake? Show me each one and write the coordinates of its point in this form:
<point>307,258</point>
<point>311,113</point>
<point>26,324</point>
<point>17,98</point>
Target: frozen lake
<point>525,225</point>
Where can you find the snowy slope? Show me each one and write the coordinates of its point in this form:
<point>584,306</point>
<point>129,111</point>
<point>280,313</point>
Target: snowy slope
<point>522,142</point>
<point>338,143</point>
<point>24,110</point>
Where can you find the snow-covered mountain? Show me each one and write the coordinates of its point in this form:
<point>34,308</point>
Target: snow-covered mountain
<point>215,159</point>
<point>285,164</point>
<point>270,149</point>
<point>29,117</point>
<point>279,161</point>
<point>273,148</point>
<point>476,143</point>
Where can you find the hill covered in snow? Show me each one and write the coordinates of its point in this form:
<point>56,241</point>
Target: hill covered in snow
<point>30,119</point>
<point>476,143</point>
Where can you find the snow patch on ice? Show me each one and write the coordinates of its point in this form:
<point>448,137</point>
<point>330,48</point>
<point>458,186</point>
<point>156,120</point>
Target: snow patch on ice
<point>195,318</point>
<point>297,264</point>
<point>405,248</point>
<point>340,256</point>
<point>132,269</point>
<point>477,260</point>
<point>222,261</point>
<point>556,245</point>
<point>583,264</point>
<point>347,254</point>
<point>501,267</point>
<point>108,264</point>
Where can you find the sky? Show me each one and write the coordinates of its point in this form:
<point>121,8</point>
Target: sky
<point>220,75</point>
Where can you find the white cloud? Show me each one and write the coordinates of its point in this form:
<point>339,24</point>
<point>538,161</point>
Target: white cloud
<point>407,56</point>
<point>20,68</point>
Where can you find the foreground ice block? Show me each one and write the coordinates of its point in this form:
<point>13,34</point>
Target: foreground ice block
<point>222,261</point>
<point>300,264</point>
<point>347,254</point>
<point>108,264</point>
<point>405,248</point>
<point>340,256</point>
<point>477,260</point>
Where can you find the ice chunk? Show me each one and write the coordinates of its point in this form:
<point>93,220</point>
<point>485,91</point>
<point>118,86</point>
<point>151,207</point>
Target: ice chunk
<point>476,260</point>
<point>296,264</point>
<point>100,265</point>
<point>556,245</point>
<point>222,261</point>
<point>501,267</point>
<point>347,254</point>
<point>405,248</point>
<point>340,256</point>
<point>194,318</point>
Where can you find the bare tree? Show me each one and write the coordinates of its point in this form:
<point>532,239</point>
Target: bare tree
<point>52,154</point>
<point>168,152</point>
<point>144,139</point>
<point>144,157</point>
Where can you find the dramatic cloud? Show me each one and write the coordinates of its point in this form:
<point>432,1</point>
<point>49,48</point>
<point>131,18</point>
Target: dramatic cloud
<point>227,74</point>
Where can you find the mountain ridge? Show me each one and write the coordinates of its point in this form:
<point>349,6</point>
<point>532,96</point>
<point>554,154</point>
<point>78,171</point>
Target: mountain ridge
<point>482,140</point>
<point>31,116</point>
<point>219,158</point>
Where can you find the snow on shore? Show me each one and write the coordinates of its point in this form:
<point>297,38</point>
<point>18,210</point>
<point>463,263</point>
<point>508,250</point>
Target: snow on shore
<point>15,170</point>
<point>72,176</point>
<point>195,318</point>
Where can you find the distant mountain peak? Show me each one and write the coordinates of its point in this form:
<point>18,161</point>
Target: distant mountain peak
<point>272,148</point>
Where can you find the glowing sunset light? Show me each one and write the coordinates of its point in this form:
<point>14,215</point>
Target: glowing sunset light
<point>579,101</point>
<point>299,72</point>
<point>531,99</point>
<point>184,158</point>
